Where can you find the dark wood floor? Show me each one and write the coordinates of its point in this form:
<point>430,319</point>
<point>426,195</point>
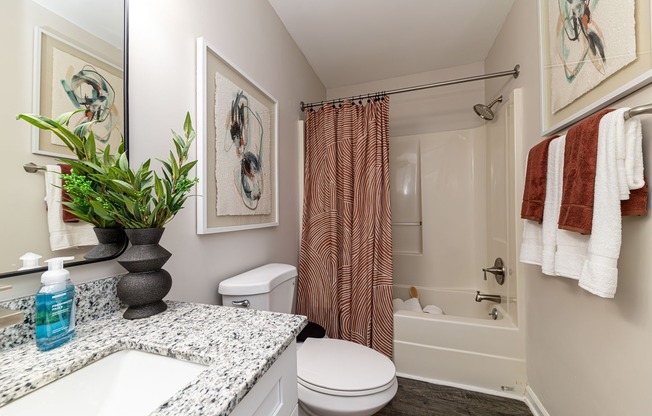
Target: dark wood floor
<point>416,398</point>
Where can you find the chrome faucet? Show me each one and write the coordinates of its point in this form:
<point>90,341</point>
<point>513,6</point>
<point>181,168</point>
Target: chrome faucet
<point>10,317</point>
<point>479,297</point>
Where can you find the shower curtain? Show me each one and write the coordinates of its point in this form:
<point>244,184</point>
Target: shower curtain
<point>345,265</point>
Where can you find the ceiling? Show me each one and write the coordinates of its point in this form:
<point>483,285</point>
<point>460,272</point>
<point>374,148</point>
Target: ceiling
<point>354,41</point>
<point>101,18</point>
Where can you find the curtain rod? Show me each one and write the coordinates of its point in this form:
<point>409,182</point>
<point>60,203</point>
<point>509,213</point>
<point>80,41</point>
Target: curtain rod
<point>514,72</point>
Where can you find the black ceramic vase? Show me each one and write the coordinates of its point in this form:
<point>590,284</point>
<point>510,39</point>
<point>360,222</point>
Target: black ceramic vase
<point>146,284</point>
<point>111,241</point>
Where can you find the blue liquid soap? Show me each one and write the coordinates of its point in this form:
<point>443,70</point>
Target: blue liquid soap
<point>55,307</point>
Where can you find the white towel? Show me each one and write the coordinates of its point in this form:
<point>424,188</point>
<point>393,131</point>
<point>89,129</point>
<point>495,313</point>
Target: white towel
<point>629,152</point>
<point>600,270</point>
<point>552,204</point>
<point>620,150</point>
<point>532,244</point>
<point>412,304</point>
<point>398,304</point>
<point>435,310</point>
<point>563,251</point>
<point>570,254</point>
<point>634,154</point>
<point>63,235</point>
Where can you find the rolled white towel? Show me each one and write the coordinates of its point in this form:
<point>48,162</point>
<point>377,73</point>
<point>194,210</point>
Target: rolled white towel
<point>398,304</point>
<point>435,310</point>
<point>412,304</point>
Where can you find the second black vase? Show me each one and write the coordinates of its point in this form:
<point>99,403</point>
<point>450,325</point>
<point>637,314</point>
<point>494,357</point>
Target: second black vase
<point>111,241</point>
<point>146,284</point>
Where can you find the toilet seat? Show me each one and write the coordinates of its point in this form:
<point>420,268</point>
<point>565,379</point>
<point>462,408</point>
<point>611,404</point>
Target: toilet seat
<point>342,368</point>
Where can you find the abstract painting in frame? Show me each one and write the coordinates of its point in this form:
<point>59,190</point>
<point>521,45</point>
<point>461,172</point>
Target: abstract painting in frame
<point>69,78</point>
<point>236,147</point>
<point>593,52</point>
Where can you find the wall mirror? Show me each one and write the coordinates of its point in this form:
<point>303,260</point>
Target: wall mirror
<point>43,42</point>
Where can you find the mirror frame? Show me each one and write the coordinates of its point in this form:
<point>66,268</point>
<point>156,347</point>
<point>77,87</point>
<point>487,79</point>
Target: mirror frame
<point>126,146</point>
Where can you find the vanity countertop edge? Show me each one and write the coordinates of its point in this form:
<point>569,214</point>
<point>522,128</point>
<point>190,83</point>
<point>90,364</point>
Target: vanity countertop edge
<point>238,345</point>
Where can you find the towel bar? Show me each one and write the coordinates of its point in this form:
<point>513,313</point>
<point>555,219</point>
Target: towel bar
<point>32,168</point>
<point>635,111</point>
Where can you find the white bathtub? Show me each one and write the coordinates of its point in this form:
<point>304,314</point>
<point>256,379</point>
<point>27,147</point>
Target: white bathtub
<point>463,348</point>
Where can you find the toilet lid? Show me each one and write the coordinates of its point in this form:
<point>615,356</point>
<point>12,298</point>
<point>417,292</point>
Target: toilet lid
<point>343,367</point>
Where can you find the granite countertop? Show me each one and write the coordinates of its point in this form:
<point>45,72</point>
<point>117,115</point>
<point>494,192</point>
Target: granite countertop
<point>238,345</point>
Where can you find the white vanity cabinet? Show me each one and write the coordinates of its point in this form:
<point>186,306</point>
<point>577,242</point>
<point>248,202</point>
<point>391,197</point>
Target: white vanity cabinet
<point>275,393</point>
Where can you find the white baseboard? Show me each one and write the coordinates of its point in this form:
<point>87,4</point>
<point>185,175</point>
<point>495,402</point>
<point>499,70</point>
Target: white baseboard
<point>533,402</point>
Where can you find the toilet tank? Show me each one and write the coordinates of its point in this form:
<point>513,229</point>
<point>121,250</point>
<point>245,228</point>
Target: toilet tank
<point>270,287</point>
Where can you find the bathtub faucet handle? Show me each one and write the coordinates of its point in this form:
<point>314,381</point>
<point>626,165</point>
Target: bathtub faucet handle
<point>498,270</point>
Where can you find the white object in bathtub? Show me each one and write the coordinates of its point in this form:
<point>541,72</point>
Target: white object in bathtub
<point>411,304</point>
<point>435,310</point>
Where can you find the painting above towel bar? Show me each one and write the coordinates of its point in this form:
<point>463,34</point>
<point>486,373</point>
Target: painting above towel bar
<point>635,111</point>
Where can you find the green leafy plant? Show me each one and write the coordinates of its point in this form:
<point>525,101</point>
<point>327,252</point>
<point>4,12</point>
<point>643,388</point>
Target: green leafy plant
<point>141,198</point>
<point>84,189</point>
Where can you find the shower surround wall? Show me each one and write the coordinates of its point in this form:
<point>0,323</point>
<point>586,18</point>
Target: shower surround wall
<point>453,210</point>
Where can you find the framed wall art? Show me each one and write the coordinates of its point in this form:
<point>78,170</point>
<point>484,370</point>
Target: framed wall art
<point>69,78</point>
<point>237,133</point>
<point>593,53</point>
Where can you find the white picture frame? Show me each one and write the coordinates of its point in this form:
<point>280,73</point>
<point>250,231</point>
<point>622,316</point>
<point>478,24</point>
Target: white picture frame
<point>212,64</point>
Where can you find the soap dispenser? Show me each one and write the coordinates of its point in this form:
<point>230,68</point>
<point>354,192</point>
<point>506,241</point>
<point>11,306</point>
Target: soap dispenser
<point>55,306</point>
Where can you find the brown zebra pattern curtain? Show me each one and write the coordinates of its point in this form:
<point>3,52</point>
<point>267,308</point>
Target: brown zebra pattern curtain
<point>345,266</point>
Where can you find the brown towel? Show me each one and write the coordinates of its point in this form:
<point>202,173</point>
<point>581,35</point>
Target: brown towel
<point>580,155</point>
<point>534,192</point>
<point>581,151</point>
<point>66,216</point>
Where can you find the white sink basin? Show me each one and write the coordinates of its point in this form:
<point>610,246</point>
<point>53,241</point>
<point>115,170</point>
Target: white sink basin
<point>128,382</point>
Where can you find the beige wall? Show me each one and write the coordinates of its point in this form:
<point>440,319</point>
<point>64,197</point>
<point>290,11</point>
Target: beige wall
<point>162,88</point>
<point>586,356</point>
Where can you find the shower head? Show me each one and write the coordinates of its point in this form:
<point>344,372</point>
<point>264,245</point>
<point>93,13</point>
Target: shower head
<point>484,111</point>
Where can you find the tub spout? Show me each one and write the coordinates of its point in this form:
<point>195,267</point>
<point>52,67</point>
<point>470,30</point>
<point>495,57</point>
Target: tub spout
<point>479,297</point>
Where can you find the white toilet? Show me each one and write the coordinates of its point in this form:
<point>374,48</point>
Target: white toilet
<point>335,377</point>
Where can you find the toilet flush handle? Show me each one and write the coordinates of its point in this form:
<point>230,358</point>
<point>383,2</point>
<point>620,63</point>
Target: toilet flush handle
<point>243,303</point>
